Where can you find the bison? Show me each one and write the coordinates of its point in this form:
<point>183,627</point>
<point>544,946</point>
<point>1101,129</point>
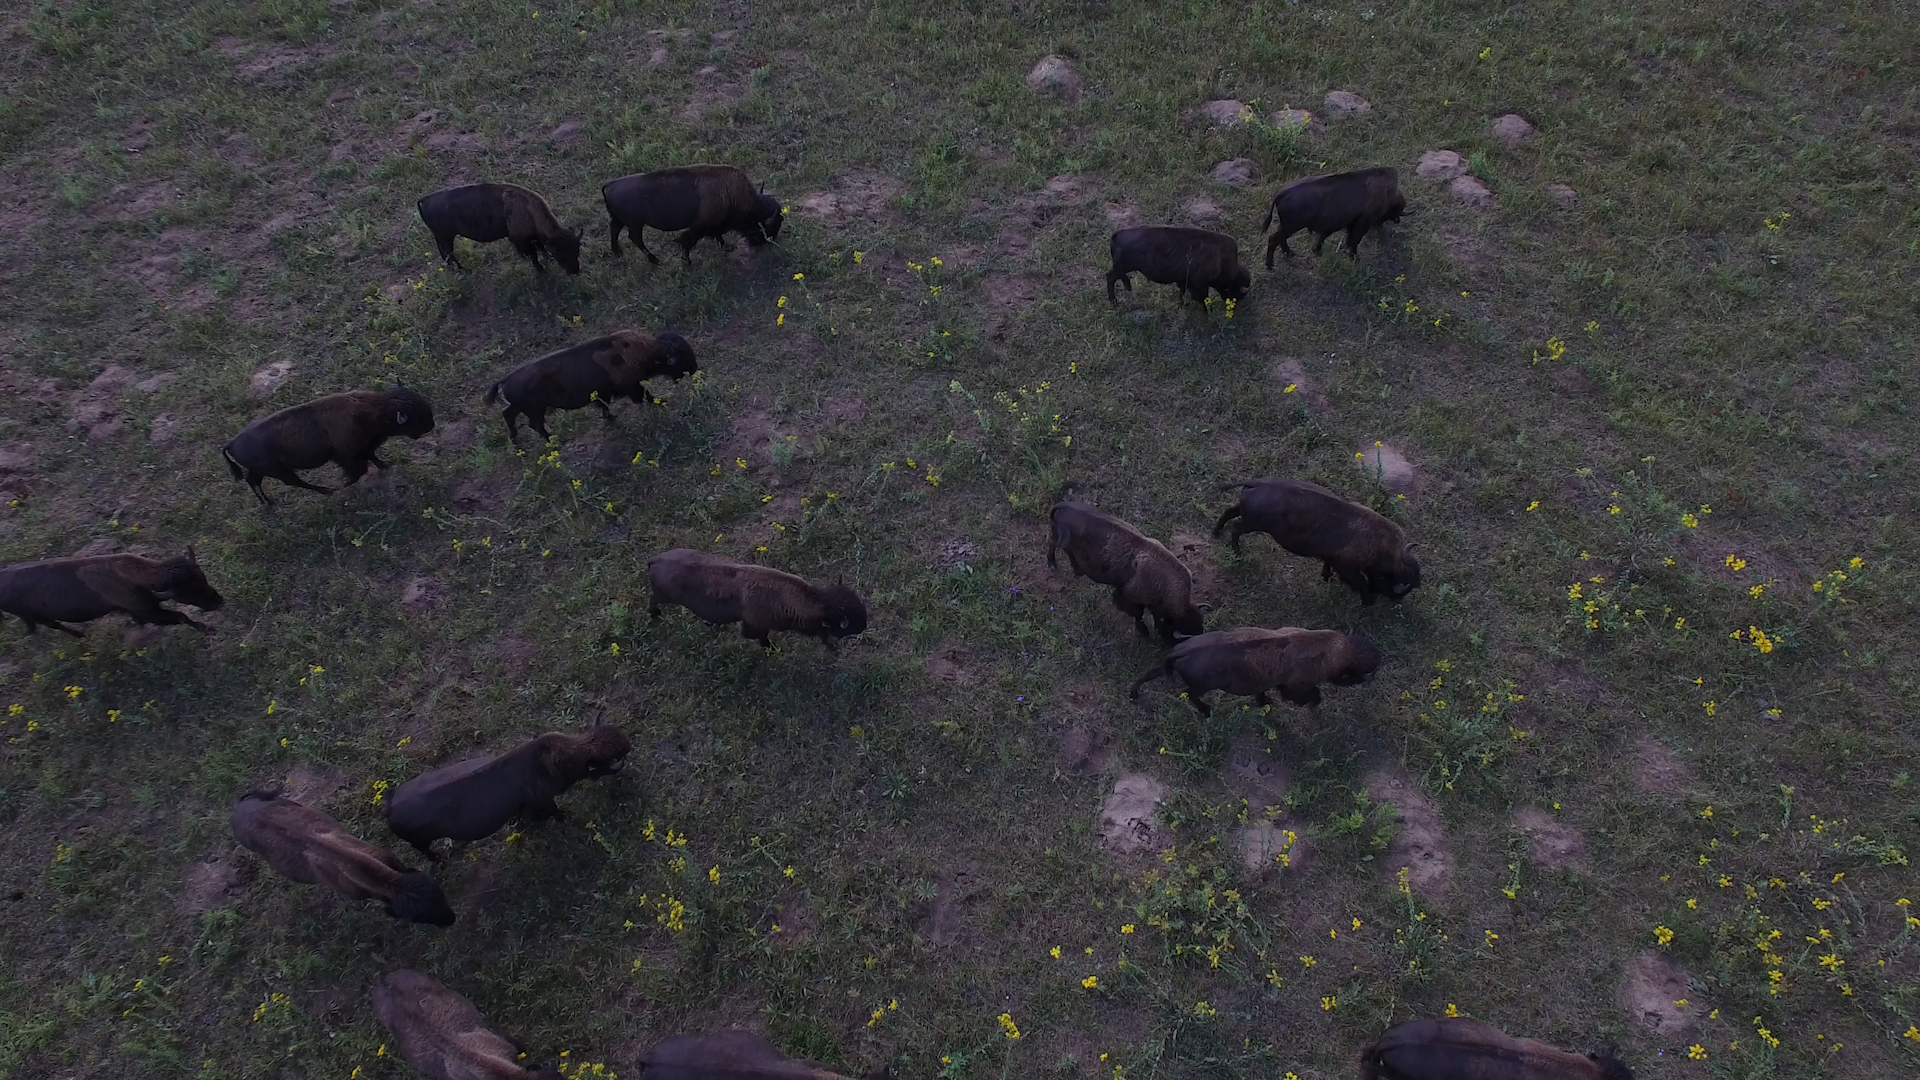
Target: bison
<point>590,373</point>
<point>759,598</point>
<point>443,1035</point>
<point>1462,1049</point>
<point>1369,552</point>
<point>1144,574</point>
<point>311,848</point>
<point>55,592</point>
<point>1192,260</point>
<point>699,200</point>
<point>730,1055</point>
<point>347,429</point>
<point>1253,660</point>
<point>1355,201</point>
<point>475,798</point>
<point>488,212</point>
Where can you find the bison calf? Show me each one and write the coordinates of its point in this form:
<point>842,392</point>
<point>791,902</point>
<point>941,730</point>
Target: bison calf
<point>590,373</point>
<point>1369,552</point>
<point>1251,660</point>
<point>731,1055</point>
<point>311,848</point>
<point>699,200</point>
<point>1144,574</point>
<point>443,1035</point>
<point>475,798</point>
<point>1323,205</point>
<point>1462,1049</point>
<point>1192,260</point>
<point>759,598</point>
<point>59,591</point>
<point>347,429</point>
<point>487,212</point>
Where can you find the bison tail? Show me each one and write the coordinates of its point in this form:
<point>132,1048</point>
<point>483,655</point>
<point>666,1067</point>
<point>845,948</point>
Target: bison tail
<point>493,393</point>
<point>232,465</point>
<point>1160,670</point>
<point>1267,222</point>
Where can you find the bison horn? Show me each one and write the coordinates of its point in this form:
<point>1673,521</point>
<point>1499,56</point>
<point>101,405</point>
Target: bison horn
<point>191,556</point>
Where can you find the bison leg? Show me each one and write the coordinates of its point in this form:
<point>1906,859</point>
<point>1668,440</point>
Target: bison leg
<point>1308,697</point>
<point>1226,515</point>
<point>1261,698</point>
<point>1274,241</point>
<point>444,241</point>
<point>160,616</point>
<point>615,238</point>
<point>639,235</point>
<point>1354,232</point>
<point>757,633</point>
<point>531,250</point>
<point>377,463</point>
<point>253,481</point>
<point>1199,703</point>
<point>605,413</point>
<point>511,414</point>
<point>353,469</point>
<point>537,420</point>
<point>294,479</point>
<point>1320,241</point>
<point>1114,276</point>
<point>33,625</point>
<point>687,241</point>
<point>1356,581</point>
<point>1138,611</point>
<point>1326,571</point>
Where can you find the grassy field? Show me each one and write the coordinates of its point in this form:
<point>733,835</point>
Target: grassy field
<point>1644,737</point>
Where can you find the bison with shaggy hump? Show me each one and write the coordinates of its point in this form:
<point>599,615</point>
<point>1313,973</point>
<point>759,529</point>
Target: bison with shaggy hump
<point>759,598</point>
<point>731,1055</point>
<point>1369,552</point>
<point>59,591</point>
<point>1323,205</point>
<point>1144,574</point>
<point>607,368</point>
<point>698,200</point>
<point>477,797</point>
<point>441,1034</point>
<point>311,848</point>
<point>1251,661</point>
<point>484,213</point>
<point>1192,260</point>
<point>346,429</point>
<point>1462,1049</point>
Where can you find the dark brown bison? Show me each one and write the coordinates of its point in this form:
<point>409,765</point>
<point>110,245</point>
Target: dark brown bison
<point>1462,1049</point>
<point>761,599</point>
<point>1323,205</point>
<point>1251,660</point>
<point>1191,260</point>
<point>59,591</point>
<point>607,368</point>
<point>487,212</point>
<point>1144,574</point>
<point>1369,552</point>
<point>730,1055</point>
<point>475,798</point>
<point>346,429</point>
<point>311,848</point>
<point>443,1035</point>
<point>699,200</point>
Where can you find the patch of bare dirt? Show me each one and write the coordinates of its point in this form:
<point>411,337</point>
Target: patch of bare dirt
<point>267,65</point>
<point>954,552</point>
<point>1227,112</point>
<point>1203,211</point>
<point>1472,191</point>
<point>1551,843</point>
<point>1235,173</point>
<point>1269,847</point>
<point>1120,214</point>
<point>1440,165</point>
<point>95,411</point>
<point>264,382</point>
<point>1657,770</point>
<point>1129,818</point>
<point>712,90</point>
<point>1228,447</point>
<point>511,652</point>
<point>752,438</point>
<point>480,494</point>
<point>1253,773</point>
<point>1195,550</point>
<point>213,884</point>
<point>1420,843</point>
<point>1387,465</point>
<point>422,595</point>
<point>1006,296</point>
<point>1649,990</point>
<point>859,196</point>
<point>1289,373</point>
<point>1054,75</point>
<point>1084,749</point>
<point>311,785</point>
<point>942,922</point>
<point>790,923</point>
<point>948,664</point>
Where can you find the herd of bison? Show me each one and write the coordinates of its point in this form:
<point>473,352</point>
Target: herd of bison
<point>438,1030</point>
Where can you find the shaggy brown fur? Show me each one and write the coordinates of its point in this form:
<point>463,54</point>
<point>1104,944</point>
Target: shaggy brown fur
<point>611,367</point>
<point>762,600</point>
<point>1355,201</point>
<point>59,591</point>
<point>1462,1049</point>
<point>1252,660</point>
<point>1191,260</point>
<point>443,1035</point>
<point>484,213</point>
<point>1144,574</point>
<point>475,798</point>
<point>701,200</point>
<point>311,848</point>
<point>730,1055</point>
<point>1369,552</point>
<point>347,429</point>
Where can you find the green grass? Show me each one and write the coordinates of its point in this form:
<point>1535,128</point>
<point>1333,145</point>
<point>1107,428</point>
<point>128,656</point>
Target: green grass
<point>1712,352</point>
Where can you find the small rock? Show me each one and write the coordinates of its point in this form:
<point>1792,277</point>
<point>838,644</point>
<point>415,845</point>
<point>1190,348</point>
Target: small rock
<point>1084,750</point>
<point>1344,103</point>
<point>657,57</point>
<point>112,378</point>
<point>1441,165</point>
<point>1393,470</point>
<point>466,142</point>
<point>1470,190</point>
<point>1236,173</point>
<point>1511,130</point>
<point>1055,75</point>
<point>1563,196</point>
<point>567,133</point>
<point>210,885</point>
<point>1287,119</point>
<point>1203,210</point>
<point>162,429</point>
<point>1652,985</point>
<point>270,378</point>
<point>156,383</point>
<point>1227,112</point>
<point>1551,843</point>
<point>1127,819</point>
<point>423,594</point>
<point>722,37</point>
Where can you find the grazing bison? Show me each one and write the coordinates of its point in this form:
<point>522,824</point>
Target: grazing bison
<point>59,591</point>
<point>759,598</point>
<point>1191,260</point>
<point>347,429</point>
<point>1252,660</point>
<point>1369,552</point>
<point>1144,574</point>
<point>1462,1049</point>
<point>475,798</point>
<point>699,200</point>
<point>1355,201</point>
<point>311,848</point>
<point>443,1035</point>
<point>730,1055</point>
<point>590,373</point>
<point>487,212</point>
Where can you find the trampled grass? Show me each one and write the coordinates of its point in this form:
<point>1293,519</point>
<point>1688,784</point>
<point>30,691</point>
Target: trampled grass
<point>1662,450</point>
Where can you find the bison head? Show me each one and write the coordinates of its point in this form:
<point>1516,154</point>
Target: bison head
<point>1404,580</point>
<point>676,355</point>
<point>564,246</point>
<point>846,613</point>
<point>182,582</point>
<point>408,413</point>
<point>771,217</point>
<point>1612,1068</point>
<point>1365,661</point>
<point>606,750</point>
<point>1235,285</point>
<point>418,899</point>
